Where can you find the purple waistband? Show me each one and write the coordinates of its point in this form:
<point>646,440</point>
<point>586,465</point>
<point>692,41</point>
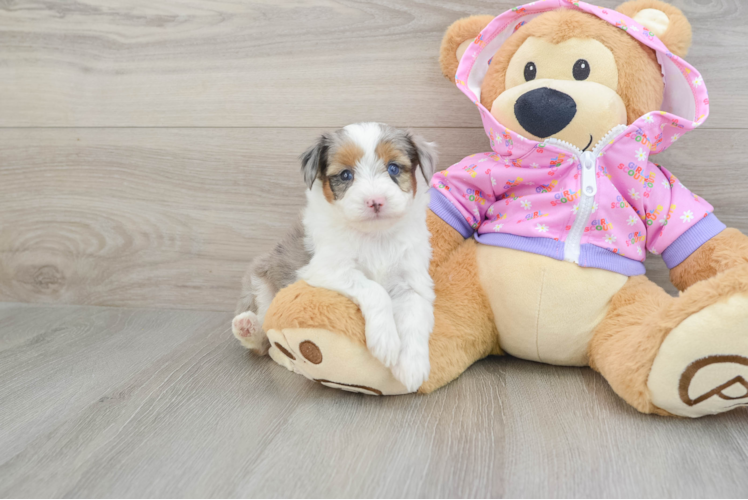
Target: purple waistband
<point>589,255</point>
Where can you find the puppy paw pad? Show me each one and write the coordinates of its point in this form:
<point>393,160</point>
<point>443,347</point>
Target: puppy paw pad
<point>245,325</point>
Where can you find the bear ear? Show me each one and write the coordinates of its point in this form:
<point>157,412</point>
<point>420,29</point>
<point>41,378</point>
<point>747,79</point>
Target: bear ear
<point>456,41</point>
<point>667,22</point>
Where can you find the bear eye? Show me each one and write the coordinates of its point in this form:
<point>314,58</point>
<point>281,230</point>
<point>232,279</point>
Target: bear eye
<point>581,70</point>
<point>530,71</point>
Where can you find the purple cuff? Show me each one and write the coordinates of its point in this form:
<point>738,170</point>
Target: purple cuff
<point>690,241</point>
<point>447,212</point>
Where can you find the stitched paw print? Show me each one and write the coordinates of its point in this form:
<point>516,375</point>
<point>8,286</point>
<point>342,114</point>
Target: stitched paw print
<point>332,360</point>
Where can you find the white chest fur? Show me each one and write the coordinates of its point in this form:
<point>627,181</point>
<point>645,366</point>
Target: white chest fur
<point>386,256</point>
<point>385,271</point>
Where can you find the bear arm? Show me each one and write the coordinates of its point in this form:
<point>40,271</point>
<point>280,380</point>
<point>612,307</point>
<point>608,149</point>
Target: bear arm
<point>724,251</point>
<point>444,240</point>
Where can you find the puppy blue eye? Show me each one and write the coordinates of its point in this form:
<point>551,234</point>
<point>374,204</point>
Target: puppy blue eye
<point>346,175</point>
<point>393,169</point>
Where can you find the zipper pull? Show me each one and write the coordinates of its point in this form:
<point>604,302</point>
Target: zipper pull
<point>589,177</point>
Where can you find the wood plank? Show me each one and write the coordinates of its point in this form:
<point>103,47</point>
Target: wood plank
<point>101,402</point>
<point>54,361</point>
<point>80,382</point>
<point>594,445</point>
<point>259,63</point>
<point>171,218</point>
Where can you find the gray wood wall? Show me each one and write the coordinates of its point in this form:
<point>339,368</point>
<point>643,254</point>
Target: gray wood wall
<point>148,149</point>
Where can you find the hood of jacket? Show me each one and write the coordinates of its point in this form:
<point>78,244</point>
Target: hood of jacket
<point>685,104</point>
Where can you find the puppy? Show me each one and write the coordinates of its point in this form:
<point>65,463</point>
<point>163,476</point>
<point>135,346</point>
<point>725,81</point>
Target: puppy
<point>363,234</point>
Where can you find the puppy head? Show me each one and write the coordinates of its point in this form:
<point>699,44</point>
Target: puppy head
<point>367,172</point>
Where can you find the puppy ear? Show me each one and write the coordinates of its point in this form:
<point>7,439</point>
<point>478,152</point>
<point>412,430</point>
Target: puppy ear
<point>427,155</point>
<point>668,23</point>
<point>456,41</point>
<point>314,160</point>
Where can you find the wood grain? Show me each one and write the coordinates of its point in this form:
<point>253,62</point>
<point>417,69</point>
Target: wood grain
<point>261,63</point>
<point>171,217</point>
<point>102,402</point>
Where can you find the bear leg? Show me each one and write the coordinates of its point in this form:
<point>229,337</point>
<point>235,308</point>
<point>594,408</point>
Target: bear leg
<point>319,334</point>
<point>625,344</point>
<point>701,367</point>
<point>464,326</point>
<point>684,356</point>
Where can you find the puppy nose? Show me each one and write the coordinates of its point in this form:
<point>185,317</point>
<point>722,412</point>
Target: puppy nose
<point>375,204</point>
<point>544,112</point>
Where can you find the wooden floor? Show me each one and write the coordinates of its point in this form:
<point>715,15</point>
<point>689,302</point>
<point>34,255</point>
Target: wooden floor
<point>148,151</point>
<point>117,402</point>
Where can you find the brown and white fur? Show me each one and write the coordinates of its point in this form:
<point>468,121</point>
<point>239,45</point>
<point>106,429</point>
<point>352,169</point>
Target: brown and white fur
<point>363,234</point>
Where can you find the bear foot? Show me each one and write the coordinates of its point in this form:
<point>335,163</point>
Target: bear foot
<point>702,365</point>
<point>332,360</point>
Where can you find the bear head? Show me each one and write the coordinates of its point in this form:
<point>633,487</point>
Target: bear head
<point>568,74</point>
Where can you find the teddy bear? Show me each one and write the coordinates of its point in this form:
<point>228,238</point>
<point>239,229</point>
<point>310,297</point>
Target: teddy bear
<point>538,245</point>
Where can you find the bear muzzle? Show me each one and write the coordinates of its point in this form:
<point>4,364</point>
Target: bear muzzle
<point>544,112</point>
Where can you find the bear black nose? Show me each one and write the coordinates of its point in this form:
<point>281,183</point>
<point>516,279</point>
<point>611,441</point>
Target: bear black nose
<point>544,112</point>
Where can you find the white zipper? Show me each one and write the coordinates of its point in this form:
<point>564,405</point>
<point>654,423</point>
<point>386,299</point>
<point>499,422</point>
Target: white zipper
<point>588,188</point>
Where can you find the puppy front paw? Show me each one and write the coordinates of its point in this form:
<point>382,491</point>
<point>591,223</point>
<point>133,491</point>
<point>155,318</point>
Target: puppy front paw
<point>412,368</point>
<point>247,328</point>
<point>382,340</point>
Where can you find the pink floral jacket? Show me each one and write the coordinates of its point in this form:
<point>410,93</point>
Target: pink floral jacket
<point>602,208</point>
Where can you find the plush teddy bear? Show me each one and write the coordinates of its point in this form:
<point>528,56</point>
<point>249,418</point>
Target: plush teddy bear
<point>538,245</point>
